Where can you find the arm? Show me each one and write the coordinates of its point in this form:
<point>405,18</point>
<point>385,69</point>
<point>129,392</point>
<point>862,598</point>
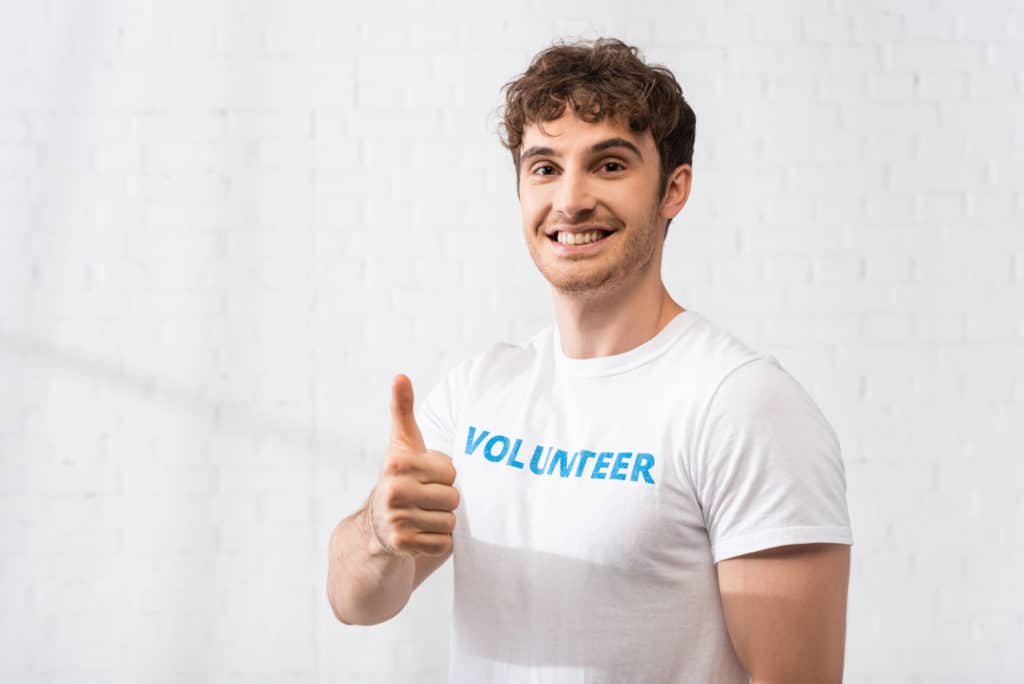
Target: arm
<point>365,584</point>
<point>413,515</point>
<point>785,609</point>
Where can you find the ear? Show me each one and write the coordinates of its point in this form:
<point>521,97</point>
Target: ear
<point>677,190</point>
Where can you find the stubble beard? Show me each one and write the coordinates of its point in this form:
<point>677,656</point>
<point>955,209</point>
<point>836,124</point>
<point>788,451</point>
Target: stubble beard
<point>598,276</point>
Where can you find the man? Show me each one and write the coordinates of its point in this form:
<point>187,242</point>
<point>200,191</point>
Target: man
<point>632,494</point>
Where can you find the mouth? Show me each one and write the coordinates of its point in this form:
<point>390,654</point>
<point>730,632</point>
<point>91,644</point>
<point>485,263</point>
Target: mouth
<point>565,243</point>
<point>579,238</point>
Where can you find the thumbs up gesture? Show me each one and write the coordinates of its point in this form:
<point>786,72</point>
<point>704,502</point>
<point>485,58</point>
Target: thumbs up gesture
<point>411,509</point>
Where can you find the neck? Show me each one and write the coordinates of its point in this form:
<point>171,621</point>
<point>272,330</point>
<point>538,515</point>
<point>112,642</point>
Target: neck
<point>617,321</point>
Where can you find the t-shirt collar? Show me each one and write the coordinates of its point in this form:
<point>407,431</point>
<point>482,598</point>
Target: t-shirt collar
<point>623,361</point>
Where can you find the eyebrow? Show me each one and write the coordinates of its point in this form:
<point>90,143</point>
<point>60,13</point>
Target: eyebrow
<point>537,151</point>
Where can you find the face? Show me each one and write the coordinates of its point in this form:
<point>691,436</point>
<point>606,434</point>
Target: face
<point>575,174</point>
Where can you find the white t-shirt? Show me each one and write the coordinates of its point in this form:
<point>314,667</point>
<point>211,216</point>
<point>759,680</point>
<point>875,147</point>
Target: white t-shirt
<point>597,495</point>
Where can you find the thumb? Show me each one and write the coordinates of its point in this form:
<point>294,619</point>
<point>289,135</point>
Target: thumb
<point>404,430</point>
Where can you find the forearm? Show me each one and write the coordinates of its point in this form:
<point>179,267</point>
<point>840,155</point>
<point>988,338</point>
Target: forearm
<point>365,584</point>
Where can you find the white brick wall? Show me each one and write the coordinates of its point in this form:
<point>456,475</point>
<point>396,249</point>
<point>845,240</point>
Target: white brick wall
<point>224,227</point>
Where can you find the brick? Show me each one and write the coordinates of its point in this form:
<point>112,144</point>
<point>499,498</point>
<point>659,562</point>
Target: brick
<point>685,31</point>
<point>982,25</point>
<point>745,269</point>
<point>998,84</point>
<point>754,27</point>
<point>941,206</point>
<point>879,327</point>
<point>17,158</point>
<point>1006,175</point>
<point>786,268</point>
<point>831,210</point>
<point>880,26</point>
<point>908,176</point>
<point>889,118</point>
<point>839,268</point>
<point>166,126</point>
<point>941,56</point>
<point>12,128</point>
<point>889,146</point>
<point>888,268</point>
<point>828,27</point>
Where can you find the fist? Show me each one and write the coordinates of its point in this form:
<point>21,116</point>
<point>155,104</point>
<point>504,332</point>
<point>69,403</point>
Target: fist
<point>412,507</point>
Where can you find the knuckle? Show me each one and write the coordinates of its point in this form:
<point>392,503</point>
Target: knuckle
<point>399,494</point>
<point>399,519</point>
<point>403,541</point>
<point>396,464</point>
<point>391,492</point>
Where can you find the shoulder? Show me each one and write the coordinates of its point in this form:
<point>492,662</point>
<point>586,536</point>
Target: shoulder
<point>503,360</point>
<point>498,362</point>
<point>759,407</point>
<point>761,387</point>
<point>743,388</point>
<point>710,353</point>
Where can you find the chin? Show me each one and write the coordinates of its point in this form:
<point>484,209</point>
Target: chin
<point>592,283</point>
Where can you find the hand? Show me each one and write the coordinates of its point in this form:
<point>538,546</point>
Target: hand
<point>411,509</point>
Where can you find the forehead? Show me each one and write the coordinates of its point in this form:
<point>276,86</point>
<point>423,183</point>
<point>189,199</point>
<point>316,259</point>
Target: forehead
<point>569,132</point>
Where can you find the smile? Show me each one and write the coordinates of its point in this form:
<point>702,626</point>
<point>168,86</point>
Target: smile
<point>591,242</point>
<point>567,238</point>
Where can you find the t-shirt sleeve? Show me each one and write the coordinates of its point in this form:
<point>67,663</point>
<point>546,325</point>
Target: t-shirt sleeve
<point>768,470</point>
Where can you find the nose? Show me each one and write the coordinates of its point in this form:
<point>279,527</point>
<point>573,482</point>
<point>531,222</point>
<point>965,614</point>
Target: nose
<point>573,198</point>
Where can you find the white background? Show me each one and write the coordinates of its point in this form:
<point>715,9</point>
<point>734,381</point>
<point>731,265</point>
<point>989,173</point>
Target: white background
<point>225,226</point>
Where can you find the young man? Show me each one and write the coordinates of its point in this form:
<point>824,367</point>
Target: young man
<point>632,494</point>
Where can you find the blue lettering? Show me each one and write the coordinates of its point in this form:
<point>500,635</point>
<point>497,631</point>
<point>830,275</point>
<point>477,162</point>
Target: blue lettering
<point>470,444</point>
<point>584,457</point>
<point>512,456</point>
<point>489,449</point>
<point>535,460</point>
<point>621,463</point>
<point>643,464</point>
<point>600,464</point>
<point>565,470</point>
<point>547,460</point>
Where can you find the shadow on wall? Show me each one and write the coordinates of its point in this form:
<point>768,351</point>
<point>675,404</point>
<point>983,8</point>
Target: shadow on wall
<point>153,388</point>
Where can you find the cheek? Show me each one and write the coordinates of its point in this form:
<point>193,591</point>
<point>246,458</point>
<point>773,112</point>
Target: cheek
<point>531,209</point>
<point>633,203</point>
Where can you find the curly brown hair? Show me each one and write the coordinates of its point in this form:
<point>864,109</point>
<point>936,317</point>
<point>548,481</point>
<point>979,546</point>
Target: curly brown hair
<point>596,78</point>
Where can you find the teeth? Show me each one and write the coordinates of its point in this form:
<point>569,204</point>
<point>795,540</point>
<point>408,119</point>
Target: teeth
<point>578,238</point>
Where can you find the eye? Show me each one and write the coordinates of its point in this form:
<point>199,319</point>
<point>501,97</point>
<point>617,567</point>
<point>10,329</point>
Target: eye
<point>542,166</point>
<point>614,163</point>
